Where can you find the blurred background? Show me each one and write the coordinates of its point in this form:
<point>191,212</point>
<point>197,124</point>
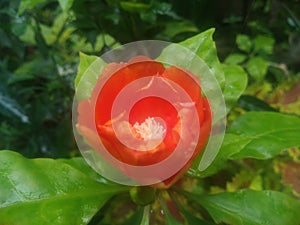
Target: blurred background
<point>40,41</point>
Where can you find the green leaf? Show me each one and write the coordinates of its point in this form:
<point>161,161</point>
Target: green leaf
<point>134,7</point>
<point>176,27</point>
<point>251,103</point>
<point>244,43</point>
<point>260,135</point>
<point>89,70</point>
<point>204,46</point>
<point>47,191</point>
<point>234,59</point>
<point>65,4</point>
<point>231,144</point>
<point>257,68</point>
<point>268,133</point>
<point>248,207</point>
<point>236,83</point>
<point>140,217</point>
<point>28,4</point>
<point>263,44</point>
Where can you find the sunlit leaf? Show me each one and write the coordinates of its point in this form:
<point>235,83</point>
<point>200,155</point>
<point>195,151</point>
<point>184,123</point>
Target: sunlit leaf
<point>47,191</point>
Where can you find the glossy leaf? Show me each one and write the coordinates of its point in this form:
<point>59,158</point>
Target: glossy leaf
<point>89,70</point>
<point>47,191</point>
<point>204,46</point>
<point>260,135</point>
<point>268,133</point>
<point>236,83</point>
<point>248,207</point>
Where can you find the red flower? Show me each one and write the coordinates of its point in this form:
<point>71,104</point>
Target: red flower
<point>142,124</point>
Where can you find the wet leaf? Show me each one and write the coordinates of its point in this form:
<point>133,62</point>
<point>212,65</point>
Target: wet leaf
<point>47,191</point>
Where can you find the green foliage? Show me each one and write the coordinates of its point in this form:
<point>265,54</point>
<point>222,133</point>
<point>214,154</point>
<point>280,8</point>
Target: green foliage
<point>255,135</point>
<point>248,207</point>
<point>50,191</point>
<point>40,41</point>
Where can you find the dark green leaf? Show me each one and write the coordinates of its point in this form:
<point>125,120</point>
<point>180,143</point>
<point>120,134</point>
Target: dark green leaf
<point>9,107</point>
<point>236,83</point>
<point>47,191</point>
<point>251,103</point>
<point>28,4</point>
<point>176,27</point>
<point>140,217</point>
<point>248,207</point>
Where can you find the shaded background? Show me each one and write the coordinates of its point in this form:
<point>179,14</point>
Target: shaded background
<point>40,42</point>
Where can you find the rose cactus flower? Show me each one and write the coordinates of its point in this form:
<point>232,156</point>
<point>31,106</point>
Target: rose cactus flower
<point>142,122</point>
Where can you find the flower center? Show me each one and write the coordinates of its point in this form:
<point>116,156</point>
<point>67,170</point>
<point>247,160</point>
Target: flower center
<point>150,129</point>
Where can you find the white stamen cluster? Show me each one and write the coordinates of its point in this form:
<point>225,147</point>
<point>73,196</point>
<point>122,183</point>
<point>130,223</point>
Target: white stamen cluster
<point>150,129</point>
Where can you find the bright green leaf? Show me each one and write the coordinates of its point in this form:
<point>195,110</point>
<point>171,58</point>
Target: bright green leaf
<point>234,59</point>
<point>204,46</point>
<point>47,191</point>
<point>248,207</point>
<point>257,68</point>
<point>89,70</point>
<point>65,4</point>
<point>263,44</point>
<point>134,7</point>
<point>269,133</point>
<point>236,83</point>
<point>244,43</point>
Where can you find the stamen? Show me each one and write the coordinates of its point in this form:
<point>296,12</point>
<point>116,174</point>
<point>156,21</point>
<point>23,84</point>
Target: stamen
<point>150,129</point>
